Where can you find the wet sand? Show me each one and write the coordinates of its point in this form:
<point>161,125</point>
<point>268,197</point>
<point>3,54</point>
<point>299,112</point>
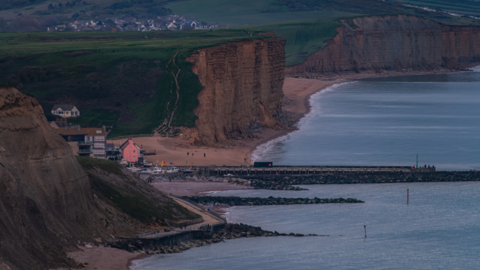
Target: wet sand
<point>103,258</point>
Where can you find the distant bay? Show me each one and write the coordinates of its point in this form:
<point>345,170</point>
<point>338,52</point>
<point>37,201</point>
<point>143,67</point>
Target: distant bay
<point>388,121</point>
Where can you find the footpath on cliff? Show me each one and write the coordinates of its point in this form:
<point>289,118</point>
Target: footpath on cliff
<point>209,219</point>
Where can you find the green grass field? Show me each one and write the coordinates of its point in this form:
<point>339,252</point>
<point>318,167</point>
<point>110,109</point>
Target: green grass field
<point>248,12</point>
<point>303,37</point>
<point>114,78</point>
<point>466,6</point>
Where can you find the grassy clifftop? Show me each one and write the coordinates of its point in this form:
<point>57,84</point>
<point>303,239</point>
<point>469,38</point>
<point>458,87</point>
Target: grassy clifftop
<point>121,79</point>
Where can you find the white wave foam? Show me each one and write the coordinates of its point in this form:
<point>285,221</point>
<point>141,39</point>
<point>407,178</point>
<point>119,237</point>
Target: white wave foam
<point>476,69</point>
<point>267,147</point>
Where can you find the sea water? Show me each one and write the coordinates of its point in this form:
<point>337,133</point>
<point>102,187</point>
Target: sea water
<point>385,121</point>
<point>388,121</point>
<point>438,229</point>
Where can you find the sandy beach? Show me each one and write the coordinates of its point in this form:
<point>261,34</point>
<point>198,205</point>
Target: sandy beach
<point>193,188</point>
<point>180,151</point>
<point>103,258</point>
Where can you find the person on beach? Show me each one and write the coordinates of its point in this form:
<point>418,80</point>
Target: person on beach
<point>188,153</point>
<point>204,155</point>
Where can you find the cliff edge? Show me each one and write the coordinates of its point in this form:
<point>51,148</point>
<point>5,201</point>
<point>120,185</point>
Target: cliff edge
<point>243,83</point>
<point>380,44</point>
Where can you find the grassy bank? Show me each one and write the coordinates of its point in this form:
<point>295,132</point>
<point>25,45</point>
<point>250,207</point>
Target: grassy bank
<point>141,202</point>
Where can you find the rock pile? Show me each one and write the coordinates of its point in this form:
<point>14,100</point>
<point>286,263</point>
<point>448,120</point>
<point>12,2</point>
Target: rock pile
<point>230,231</point>
<point>288,183</point>
<point>233,201</point>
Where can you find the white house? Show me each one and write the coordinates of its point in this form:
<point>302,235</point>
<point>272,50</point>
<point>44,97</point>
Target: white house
<point>65,111</point>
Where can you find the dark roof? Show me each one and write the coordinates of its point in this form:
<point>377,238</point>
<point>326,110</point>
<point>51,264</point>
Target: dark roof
<point>126,143</point>
<point>109,146</point>
<point>63,107</point>
<point>82,131</point>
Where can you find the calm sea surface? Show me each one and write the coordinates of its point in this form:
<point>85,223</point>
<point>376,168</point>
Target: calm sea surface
<point>439,229</point>
<point>387,121</point>
<point>371,122</point>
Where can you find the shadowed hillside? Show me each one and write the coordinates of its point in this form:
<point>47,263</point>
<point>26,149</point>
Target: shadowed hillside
<point>50,204</point>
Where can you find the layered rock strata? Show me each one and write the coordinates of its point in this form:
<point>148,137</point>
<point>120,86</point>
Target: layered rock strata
<point>45,194</point>
<point>393,43</point>
<point>47,202</point>
<point>243,88</point>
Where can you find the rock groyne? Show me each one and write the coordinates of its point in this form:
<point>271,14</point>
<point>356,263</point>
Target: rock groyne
<point>290,182</point>
<point>250,201</point>
<point>229,231</point>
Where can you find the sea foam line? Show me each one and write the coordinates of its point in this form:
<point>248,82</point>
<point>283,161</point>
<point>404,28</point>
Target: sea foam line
<point>267,147</point>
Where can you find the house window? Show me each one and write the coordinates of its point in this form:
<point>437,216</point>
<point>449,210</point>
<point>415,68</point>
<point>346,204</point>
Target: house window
<point>134,152</point>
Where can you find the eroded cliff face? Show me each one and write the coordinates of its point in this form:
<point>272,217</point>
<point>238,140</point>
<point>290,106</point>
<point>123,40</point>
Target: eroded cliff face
<point>47,204</point>
<point>243,88</point>
<point>44,191</point>
<point>393,43</point>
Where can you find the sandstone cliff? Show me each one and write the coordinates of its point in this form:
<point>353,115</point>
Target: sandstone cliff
<point>243,88</point>
<point>393,43</point>
<point>47,204</point>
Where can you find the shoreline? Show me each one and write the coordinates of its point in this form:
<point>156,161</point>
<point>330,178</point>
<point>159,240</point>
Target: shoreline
<point>301,112</point>
<point>345,78</point>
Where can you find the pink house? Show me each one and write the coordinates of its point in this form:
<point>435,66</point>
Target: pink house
<point>130,151</point>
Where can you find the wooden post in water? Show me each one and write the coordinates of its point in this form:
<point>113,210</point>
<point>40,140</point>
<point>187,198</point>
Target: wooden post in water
<point>365,228</point>
<point>408,195</point>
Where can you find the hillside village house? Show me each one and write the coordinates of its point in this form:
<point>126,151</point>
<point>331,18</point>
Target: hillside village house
<point>130,151</point>
<point>65,111</point>
<point>90,141</point>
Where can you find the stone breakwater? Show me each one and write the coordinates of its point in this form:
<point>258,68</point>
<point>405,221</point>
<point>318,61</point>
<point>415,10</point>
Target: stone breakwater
<point>230,231</point>
<point>239,201</point>
<point>287,183</point>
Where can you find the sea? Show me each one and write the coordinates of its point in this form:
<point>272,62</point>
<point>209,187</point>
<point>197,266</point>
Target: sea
<point>388,121</point>
<point>381,121</point>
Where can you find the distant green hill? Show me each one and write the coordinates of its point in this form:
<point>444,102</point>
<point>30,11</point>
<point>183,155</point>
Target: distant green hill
<point>120,79</point>
<point>305,24</point>
<point>464,6</point>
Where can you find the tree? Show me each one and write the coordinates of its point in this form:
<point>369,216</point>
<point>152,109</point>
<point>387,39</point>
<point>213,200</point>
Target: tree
<point>27,24</point>
<point>51,8</point>
<point>3,25</point>
<point>49,21</point>
<point>75,16</point>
